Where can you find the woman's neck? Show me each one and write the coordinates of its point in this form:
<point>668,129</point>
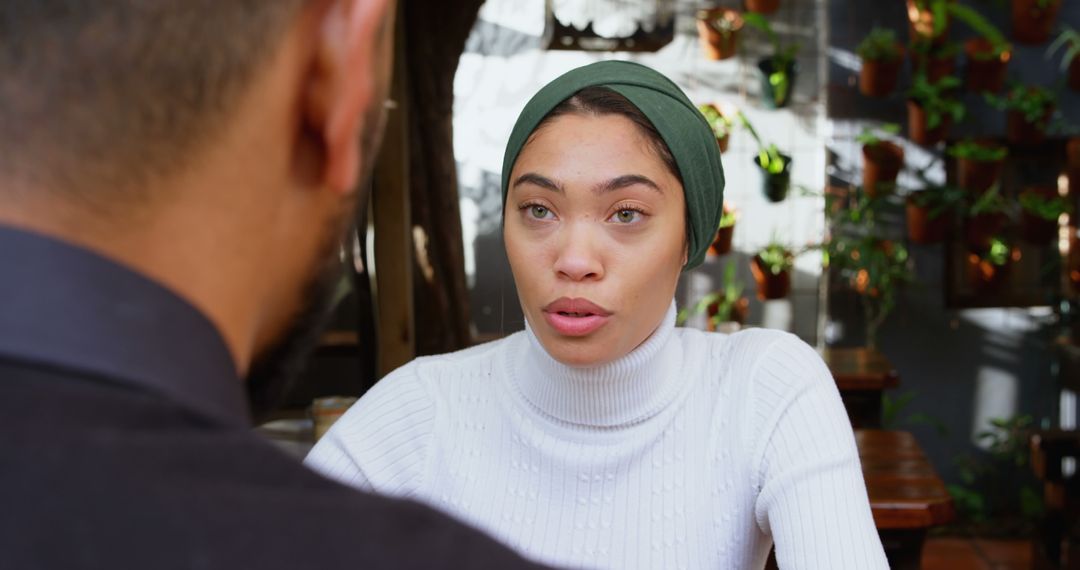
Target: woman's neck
<point>623,392</point>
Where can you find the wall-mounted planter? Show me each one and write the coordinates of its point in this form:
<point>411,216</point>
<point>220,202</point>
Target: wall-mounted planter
<point>775,185</point>
<point>918,130</point>
<point>1031,23</point>
<point>770,286</point>
<point>985,69</point>
<point>718,29</point>
<point>776,91</point>
<point>877,77</point>
<point>979,230</point>
<point>763,6</point>
<point>881,165</point>
<point>922,228</point>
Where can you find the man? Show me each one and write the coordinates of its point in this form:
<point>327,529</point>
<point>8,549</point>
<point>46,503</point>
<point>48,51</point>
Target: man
<point>175,178</point>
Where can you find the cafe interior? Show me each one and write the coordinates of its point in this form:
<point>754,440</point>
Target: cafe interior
<point>903,185</point>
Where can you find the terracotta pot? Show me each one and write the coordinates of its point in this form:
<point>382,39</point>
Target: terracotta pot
<point>775,186</point>
<point>918,131</point>
<point>739,311</point>
<point>877,78</point>
<point>714,43</point>
<point>723,143</point>
<point>770,96</point>
<point>769,286</point>
<point>1036,229</point>
<point>921,25</point>
<point>1020,132</point>
<point>763,6</point>
<point>921,228</point>
<point>937,66</point>
<point>1032,25</point>
<point>881,164</point>
<point>1074,74</point>
<point>980,229</point>
<point>722,243</point>
<point>977,176</point>
<point>983,276</point>
<point>984,73</point>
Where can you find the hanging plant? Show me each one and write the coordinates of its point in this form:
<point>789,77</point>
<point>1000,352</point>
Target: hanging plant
<point>775,166</point>
<point>986,218</point>
<point>882,160</point>
<point>779,70</point>
<point>1069,41</point>
<point>1041,208</point>
<point>881,57</point>
<point>763,6</point>
<point>932,109</point>
<point>771,268</point>
<point>725,232</point>
<point>721,124</point>
<point>728,305</point>
<point>1033,19</point>
<point>978,164</point>
<point>988,268</point>
<point>935,61</point>
<point>928,20</point>
<point>1030,108</point>
<point>718,29</point>
<point>987,56</point>
<point>875,268</point>
<point>930,213</point>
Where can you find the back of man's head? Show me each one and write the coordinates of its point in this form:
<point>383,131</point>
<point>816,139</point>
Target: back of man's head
<point>108,94</point>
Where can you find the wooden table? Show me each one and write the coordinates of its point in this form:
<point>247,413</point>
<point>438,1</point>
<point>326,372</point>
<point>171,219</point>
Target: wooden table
<point>907,497</point>
<point>861,374</point>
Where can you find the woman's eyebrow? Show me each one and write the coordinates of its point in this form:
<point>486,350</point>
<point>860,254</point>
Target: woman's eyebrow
<point>624,181</point>
<point>538,180</point>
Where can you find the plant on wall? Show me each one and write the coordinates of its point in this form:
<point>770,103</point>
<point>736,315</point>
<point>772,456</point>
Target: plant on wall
<point>986,217</point>
<point>1033,19</point>
<point>728,305</point>
<point>725,232</point>
<point>882,160</point>
<point>721,124</point>
<point>775,166</point>
<point>987,56</point>
<point>935,61</point>
<point>930,211</point>
<point>1040,210</point>
<point>932,109</point>
<point>719,30</point>
<point>1030,108</point>
<point>1069,42</point>
<point>771,267</point>
<point>881,56</point>
<point>978,164</point>
<point>777,70</point>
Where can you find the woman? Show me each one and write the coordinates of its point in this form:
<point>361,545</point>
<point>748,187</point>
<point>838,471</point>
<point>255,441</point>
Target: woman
<point>602,436</point>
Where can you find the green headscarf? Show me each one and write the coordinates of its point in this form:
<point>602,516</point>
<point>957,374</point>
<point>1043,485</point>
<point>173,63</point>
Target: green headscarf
<point>678,121</point>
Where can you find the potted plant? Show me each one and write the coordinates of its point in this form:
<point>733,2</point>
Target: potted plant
<point>725,232</point>
<point>1030,108</point>
<point>778,70</point>
<point>978,164</point>
<point>935,61</point>
<point>929,213</point>
<point>718,29</point>
<point>763,6</point>
<point>928,20</point>
<point>1033,19</point>
<point>1069,39</point>
<point>988,267</point>
<point>986,218</point>
<point>721,124</point>
<point>874,267</point>
<point>1040,208</point>
<point>881,57</point>
<point>882,159</point>
<point>987,56</point>
<point>772,271</point>
<point>775,166</point>
<point>932,110</point>
<point>727,306</point>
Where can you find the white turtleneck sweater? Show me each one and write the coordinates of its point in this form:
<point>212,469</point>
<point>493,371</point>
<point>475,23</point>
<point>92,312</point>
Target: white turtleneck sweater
<point>696,450</point>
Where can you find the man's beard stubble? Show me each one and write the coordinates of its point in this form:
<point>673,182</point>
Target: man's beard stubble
<point>274,371</point>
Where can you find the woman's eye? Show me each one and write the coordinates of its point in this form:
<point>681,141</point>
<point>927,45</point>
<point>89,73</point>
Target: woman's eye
<point>626,216</point>
<point>539,212</point>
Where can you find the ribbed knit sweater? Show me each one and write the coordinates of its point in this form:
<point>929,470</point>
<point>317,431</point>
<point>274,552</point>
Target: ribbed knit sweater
<point>696,450</point>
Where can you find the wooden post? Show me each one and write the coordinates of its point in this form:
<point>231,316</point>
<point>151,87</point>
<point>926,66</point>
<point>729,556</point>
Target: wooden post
<point>393,226</point>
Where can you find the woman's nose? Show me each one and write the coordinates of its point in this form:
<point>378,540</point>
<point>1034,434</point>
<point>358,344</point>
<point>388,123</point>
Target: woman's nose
<point>578,257</point>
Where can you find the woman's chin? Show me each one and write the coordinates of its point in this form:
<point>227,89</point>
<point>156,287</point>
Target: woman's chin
<point>578,352</point>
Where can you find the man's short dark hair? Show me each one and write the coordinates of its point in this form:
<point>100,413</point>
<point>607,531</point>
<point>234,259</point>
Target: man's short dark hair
<point>111,93</point>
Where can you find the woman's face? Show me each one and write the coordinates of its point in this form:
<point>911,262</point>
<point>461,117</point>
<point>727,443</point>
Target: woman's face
<point>596,236</point>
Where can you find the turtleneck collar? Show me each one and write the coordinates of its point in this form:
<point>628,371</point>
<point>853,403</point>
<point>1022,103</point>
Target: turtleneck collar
<point>623,392</point>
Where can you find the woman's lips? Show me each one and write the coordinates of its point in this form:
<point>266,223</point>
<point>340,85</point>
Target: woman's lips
<point>575,317</point>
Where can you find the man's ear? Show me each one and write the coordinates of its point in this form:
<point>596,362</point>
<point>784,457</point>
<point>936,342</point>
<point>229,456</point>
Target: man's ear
<point>350,75</point>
